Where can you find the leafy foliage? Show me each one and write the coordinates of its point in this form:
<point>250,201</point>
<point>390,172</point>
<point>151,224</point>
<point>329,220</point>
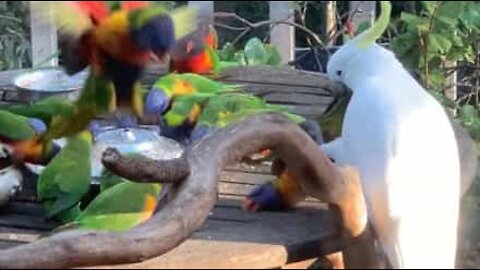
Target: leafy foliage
<point>15,48</point>
<point>253,54</point>
<point>429,41</point>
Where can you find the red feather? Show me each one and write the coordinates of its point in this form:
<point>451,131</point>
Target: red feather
<point>132,5</point>
<point>96,10</point>
<point>199,64</point>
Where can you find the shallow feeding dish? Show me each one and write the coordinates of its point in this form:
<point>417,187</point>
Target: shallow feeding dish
<point>143,141</point>
<point>41,83</point>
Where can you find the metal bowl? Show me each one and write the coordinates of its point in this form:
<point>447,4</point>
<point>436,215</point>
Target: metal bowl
<point>38,84</point>
<point>143,140</point>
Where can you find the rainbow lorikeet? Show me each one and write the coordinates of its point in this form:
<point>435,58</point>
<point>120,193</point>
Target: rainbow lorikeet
<point>116,44</point>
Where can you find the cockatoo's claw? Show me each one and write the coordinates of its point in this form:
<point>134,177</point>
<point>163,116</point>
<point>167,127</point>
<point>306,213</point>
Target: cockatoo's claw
<point>264,198</point>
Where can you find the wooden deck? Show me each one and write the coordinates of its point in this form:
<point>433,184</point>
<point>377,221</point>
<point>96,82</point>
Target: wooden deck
<point>231,238</point>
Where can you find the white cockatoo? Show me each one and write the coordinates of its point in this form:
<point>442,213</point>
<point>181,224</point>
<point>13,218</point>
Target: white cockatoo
<point>402,143</point>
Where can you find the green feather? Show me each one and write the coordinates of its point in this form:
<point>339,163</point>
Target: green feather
<point>120,207</point>
<point>45,109</point>
<point>15,127</point>
<point>66,179</point>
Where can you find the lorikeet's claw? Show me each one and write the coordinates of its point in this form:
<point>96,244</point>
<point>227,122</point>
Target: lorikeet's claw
<point>264,198</point>
<point>126,120</point>
<point>38,125</point>
<point>94,128</point>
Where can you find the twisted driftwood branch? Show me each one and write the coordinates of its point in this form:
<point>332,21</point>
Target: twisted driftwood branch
<point>145,170</point>
<point>196,196</point>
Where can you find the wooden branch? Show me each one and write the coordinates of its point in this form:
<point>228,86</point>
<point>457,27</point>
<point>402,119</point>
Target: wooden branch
<point>196,196</point>
<point>145,170</point>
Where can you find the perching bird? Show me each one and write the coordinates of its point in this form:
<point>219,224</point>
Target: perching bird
<point>178,96</point>
<point>401,141</point>
<point>20,139</point>
<point>66,178</point>
<point>107,212</point>
<point>116,46</point>
<point>196,52</point>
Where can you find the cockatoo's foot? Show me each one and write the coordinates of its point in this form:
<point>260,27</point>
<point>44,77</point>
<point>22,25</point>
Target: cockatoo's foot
<point>264,198</point>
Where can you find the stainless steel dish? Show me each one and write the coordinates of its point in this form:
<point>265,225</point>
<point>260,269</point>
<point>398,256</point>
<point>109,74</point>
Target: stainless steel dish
<point>41,83</point>
<point>143,140</point>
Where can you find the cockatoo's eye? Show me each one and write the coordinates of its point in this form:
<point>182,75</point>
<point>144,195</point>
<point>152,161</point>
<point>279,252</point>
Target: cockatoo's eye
<point>339,73</point>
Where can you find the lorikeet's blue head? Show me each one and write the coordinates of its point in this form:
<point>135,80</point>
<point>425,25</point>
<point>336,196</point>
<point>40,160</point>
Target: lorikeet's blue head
<point>156,35</point>
<point>156,101</point>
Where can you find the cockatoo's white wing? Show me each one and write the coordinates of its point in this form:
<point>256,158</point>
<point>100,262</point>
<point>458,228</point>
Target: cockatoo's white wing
<point>404,147</point>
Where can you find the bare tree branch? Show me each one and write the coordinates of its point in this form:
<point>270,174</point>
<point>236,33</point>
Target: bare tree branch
<point>250,26</point>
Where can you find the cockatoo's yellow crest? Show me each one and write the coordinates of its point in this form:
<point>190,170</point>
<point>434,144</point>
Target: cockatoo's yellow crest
<point>371,35</point>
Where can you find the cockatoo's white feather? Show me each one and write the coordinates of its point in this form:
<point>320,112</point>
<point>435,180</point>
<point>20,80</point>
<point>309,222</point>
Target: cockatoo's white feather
<point>401,141</point>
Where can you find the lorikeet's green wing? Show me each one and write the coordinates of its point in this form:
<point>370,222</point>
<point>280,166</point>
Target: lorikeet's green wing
<point>45,109</point>
<point>97,97</point>
<point>66,179</point>
<point>120,207</point>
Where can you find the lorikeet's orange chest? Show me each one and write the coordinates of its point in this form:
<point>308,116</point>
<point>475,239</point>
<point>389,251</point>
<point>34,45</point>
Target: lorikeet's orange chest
<point>201,63</point>
<point>113,37</point>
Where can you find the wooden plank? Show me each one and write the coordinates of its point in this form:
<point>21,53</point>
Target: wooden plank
<point>19,236</point>
<point>276,76</point>
<point>298,99</point>
<point>264,89</point>
<point>26,222</point>
<point>26,208</point>
<point>245,178</point>
<point>259,243</point>
<point>258,168</point>
<point>307,111</point>
<point>283,36</point>
<point>43,36</point>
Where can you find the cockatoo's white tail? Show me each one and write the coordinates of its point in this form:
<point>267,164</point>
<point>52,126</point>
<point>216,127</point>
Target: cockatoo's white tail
<point>401,141</point>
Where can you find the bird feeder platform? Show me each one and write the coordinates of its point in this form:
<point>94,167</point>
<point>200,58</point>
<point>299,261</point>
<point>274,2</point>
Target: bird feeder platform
<point>230,237</point>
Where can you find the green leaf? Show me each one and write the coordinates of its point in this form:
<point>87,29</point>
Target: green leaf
<point>470,16</point>
<point>254,52</point>
<point>429,6</point>
<point>439,43</point>
<point>449,11</point>
<point>413,20</point>
<point>227,52</point>
<point>239,57</point>
<point>273,57</point>
<point>468,114</point>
